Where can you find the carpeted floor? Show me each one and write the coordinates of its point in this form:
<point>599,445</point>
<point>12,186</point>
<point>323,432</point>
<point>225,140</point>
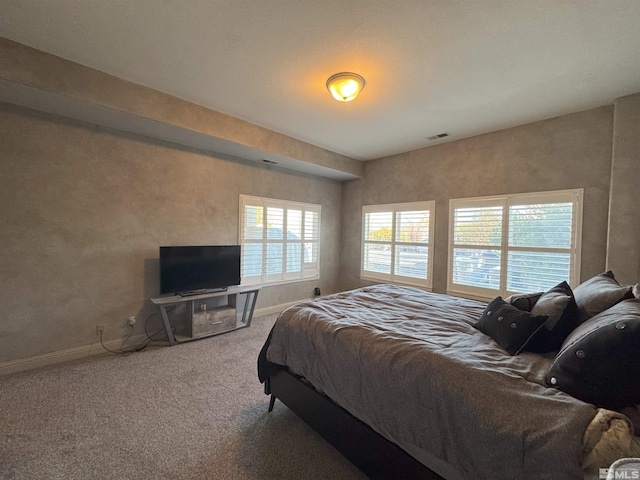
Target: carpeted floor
<point>193,411</point>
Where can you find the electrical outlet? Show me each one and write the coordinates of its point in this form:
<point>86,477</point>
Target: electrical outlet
<point>132,320</point>
<point>100,330</point>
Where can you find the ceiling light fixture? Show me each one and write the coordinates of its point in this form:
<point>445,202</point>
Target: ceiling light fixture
<point>345,86</point>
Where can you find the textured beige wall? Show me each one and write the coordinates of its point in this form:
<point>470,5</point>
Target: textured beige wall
<point>572,151</point>
<point>27,66</point>
<point>85,208</point>
<point>623,251</point>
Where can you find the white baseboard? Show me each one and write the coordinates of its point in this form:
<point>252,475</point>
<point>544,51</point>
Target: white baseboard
<point>75,353</point>
<point>259,312</point>
<point>66,355</point>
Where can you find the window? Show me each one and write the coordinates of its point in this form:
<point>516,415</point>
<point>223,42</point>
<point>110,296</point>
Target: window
<point>396,243</point>
<point>515,243</point>
<point>280,240</point>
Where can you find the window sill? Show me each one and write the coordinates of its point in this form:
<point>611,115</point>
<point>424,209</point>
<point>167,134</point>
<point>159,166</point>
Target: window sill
<point>282,282</point>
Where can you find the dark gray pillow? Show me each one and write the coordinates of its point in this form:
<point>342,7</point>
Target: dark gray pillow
<point>599,361</point>
<point>523,301</point>
<point>559,305</point>
<point>599,293</point>
<point>510,327</point>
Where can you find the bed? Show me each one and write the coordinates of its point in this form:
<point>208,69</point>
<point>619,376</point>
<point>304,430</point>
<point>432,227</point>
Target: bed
<point>404,384</point>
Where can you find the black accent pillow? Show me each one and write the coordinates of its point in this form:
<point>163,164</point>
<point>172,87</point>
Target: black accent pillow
<point>510,327</point>
<point>599,293</point>
<point>599,362</point>
<point>524,301</point>
<point>560,306</point>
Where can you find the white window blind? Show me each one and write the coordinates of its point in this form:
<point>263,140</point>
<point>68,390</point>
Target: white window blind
<point>515,243</point>
<point>280,240</point>
<point>397,243</point>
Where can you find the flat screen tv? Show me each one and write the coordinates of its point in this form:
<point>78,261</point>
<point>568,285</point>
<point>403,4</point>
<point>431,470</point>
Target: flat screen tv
<point>189,270</point>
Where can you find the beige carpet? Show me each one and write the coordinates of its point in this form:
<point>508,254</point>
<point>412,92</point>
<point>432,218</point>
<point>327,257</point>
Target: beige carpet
<point>193,411</point>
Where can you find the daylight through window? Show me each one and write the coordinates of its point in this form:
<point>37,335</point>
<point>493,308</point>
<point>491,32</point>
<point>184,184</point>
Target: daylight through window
<point>280,240</point>
<point>516,243</point>
<point>397,242</point>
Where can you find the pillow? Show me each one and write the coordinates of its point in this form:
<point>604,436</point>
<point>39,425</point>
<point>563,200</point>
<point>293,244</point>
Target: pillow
<point>510,327</point>
<point>599,293</point>
<point>599,361</point>
<point>524,301</point>
<point>559,305</point>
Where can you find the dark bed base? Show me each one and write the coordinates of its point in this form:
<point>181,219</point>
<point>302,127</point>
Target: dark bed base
<point>373,454</point>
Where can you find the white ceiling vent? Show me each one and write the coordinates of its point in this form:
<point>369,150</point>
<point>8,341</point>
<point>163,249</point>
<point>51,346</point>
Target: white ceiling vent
<point>438,136</point>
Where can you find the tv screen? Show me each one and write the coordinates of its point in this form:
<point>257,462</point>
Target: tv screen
<point>196,268</point>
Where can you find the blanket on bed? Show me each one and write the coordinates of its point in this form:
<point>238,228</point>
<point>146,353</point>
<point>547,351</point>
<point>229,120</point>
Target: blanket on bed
<point>412,366</point>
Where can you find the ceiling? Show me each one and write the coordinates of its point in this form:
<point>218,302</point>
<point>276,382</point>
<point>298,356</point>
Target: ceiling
<point>462,67</point>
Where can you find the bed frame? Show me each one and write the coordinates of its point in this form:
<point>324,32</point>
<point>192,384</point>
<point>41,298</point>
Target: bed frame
<point>374,455</point>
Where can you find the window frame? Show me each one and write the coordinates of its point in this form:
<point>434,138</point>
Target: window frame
<point>309,270</point>
<point>394,209</point>
<point>574,196</point>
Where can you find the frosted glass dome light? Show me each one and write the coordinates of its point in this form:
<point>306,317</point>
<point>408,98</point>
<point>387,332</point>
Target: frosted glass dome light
<point>345,86</point>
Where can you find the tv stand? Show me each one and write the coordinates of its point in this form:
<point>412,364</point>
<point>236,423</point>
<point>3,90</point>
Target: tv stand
<point>207,313</point>
<point>202,292</point>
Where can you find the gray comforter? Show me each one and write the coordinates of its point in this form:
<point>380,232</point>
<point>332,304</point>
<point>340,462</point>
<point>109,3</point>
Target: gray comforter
<point>412,366</point>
